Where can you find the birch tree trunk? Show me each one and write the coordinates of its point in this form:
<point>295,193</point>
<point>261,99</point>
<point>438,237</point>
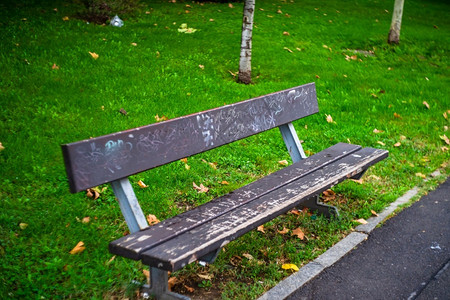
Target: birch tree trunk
<point>245,66</point>
<point>394,33</point>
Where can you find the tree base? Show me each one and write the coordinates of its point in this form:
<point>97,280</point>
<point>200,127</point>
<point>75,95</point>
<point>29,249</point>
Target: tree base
<point>245,77</point>
<point>394,37</point>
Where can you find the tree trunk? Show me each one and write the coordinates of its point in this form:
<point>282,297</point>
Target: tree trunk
<point>394,33</point>
<point>245,66</point>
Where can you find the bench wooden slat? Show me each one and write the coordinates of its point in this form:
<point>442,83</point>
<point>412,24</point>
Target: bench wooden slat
<point>107,158</point>
<point>133,245</point>
<point>188,247</point>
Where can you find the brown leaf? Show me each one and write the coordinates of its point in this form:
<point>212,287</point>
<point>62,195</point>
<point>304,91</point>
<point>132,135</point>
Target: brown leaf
<point>93,54</point>
<point>398,144</point>
<point>445,139</point>
<point>295,212</point>
<point>299,233</point>
<point>377,131</point>
<point>230,5</point>
<point>261,229</point>
<point>224,182</point>
<point>184,160</point>
<point>78,248</point>
<point>92,193</point>
<point>283,162</point>
<point>426,104</point>
<point>374,213</point>
<point>123,111</point>
<point>213,165</point>
<point>286,33</point>
<point>152,220</point>
<point>142,184</point>
<point>444,148</point>
<point>86,220</point>
<point>201,188</point>
<point>284,231</point>
<point>360,181</point>
<point>189,289</point>
<point>361,221</point>
<point>1,147</point>
<point>172,282</point>
<point>328,195</point>
<point>146,273</point>
<point>66,18</point>
<point>55,67</point>
<point>248,256</point>
<point>397,116</point>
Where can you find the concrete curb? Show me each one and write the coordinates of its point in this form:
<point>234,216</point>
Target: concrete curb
<point>335,253</point>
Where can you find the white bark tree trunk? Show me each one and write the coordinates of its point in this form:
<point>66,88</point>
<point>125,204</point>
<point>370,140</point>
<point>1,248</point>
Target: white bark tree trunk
<point>394,33</point>
<point>245,66</point>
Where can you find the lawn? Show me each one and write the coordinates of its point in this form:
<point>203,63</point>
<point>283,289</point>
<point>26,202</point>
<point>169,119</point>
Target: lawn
<point>63,79</point>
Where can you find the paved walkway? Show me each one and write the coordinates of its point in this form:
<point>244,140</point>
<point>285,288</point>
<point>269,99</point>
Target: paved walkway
<point>406,258</point>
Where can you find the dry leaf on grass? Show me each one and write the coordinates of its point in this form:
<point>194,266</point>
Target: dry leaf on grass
<point>201,188</point>
<point>381,143</point>
<point>152,220</point>
<point>205,276</point>
<point>142,184</point>
<point>299,233</point>
<point>377,131</point>
<point>189,289</point>
<point>86,220</point>
<point>23,225</point>
<point>283,162</point>
<point>426,104</point>
<point>295,212</point>
<point>374,213</point>
<point>329,118</point>
<point>160,119</point>
<point>1,147</point>
<point>224,182</point>
<point>94,55</point>
<point>421,175</point>
<point>184,160</point>
<point>284,231</point>
<point>289,50</point>
<point>396,115</point>
<point>78,248</point>
<point>361,221</point>
<point>445,139</point>
<point>261,229</point>
<point>248,256</point>
<point>172,282</point>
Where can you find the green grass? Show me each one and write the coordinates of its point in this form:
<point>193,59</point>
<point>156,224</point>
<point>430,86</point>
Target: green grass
<point>42,107</point>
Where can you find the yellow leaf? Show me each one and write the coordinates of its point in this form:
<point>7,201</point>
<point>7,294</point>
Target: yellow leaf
<point>1,147</point>
<point>142,184</point>
<point>402,138</point>
<point>381,143</point>
<point>206,276</point>
<point>66,18</point>
<point>152,220</point>
<point>361,221</point>
<point>290,267</point>
<point>283,162</point>
<point>421,175</point>
<point>23,225</point>
<point>445,115</point>
<point>374,213</point>
<point>398,144</point>
<point>111,260</point>
<point>188,167</point>
<point>93,54</point>
<point>289,50</point>
<point>445,139</point>
<point>329,118</point>
<point>261,229</point>
<point>224,182</point>
<point>397,115</point>
<point>78,248</point>
<point>360,181</point>
<point>213,165</point>
<point>377,131</point>
<point>248,256</point>
<point>299,233</point>
<point>159,119</point>
<point>184,160</point>
<point>426,104</point>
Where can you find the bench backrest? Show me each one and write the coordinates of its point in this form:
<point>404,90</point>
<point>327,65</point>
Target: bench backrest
<point>114,156</point>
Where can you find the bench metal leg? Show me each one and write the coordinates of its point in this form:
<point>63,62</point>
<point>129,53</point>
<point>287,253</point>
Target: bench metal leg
<point>314,205</point>
<point>159,287</point>
<point>209,258</point>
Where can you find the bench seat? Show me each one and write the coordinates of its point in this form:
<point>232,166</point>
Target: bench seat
<point>176,242</point>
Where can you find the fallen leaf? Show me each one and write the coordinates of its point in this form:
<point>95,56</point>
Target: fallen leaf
<point>147,12</point>
<point>261,229</point>
<point>421,175</point>
<point>360,181</point>
<point>290,267</point>
<point>23,225</point>
<point>55,67</point>
<point>426,104</point>
<point>93,54</point>
<point>146,274</point>
<point>398,144</point>
<point>201,188</point>
<point>66,18</point>
<point>361,221</point>
<point>184,29</point>
<point>123,111</point>
<point>377,131</point>
<point>201,67</point>
<point>189,289</point>
<point>279,11</point>
<point>78,248</point>
<point>286,33</point>
<point>445,129</point>
<point>159,119</point>
<point>134,44</point>
<point>187,167</point>
<point>397,115</point>
<point>110,260</point>
<point>142,184</point>
<point>374,177</point>
<point>445,139</point>
<point>299,233</point>
<point>211,20</point>
<point>286,48</point>
<point>230,5</point>
<point>374,213</point>
<point>248,256</point>
<point>1,147</point>
<point>294,212</point>
<point>172,282</point>
<point>283,162</point>
<point>444,148</point>
<point>86,220</point>
<point>205,276</point>
<point>233,74</point>
<point>91,193</point>
<point>284,231</point>
<point>152,220</point>
<point>402,138</point>
<point>328,195</point>
<point>381,143</point>
<point>184,160</point>
<point>329,118</point>
<point>213,165</point>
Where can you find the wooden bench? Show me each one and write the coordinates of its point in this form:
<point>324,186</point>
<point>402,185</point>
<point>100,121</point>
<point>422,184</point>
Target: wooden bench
<point>199,234</point>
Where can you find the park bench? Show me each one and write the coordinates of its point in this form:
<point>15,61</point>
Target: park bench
<point>200,233</point>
